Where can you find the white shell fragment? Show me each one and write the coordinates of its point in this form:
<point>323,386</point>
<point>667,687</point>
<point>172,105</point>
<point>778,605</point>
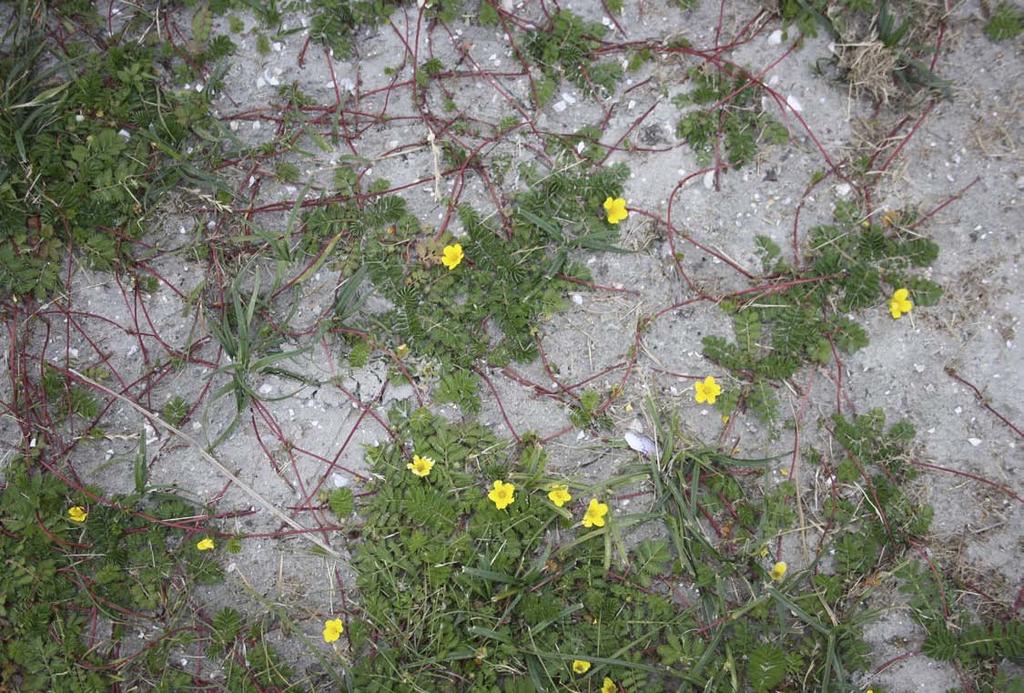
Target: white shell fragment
<point>641,443</point>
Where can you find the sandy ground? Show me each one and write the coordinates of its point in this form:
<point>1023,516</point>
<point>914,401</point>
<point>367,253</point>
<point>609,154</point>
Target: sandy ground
<point>975,137</point>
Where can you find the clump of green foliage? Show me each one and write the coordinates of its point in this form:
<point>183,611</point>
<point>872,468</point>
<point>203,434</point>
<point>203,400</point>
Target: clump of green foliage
<point>335,22</point>
<point>806,15</point>
<point>878,458</point>
<point>456,593</point>
<point>850,265</point>
<point>88,141</point>
<point>565,48</point>
<point>587,411</point>
<point>67,399</point>
<point>737,117</point>
<point>1006,22</point>
<point>515,273</point>
<point>981,648</point>
<point>121,565</point>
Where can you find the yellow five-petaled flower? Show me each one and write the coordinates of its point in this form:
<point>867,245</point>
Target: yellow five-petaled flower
<point>77,513</point>
<point>580,666</point>
<point>452,255</point>
<point>594,517</point>
<point>333,628</point>
<point>707,390</point>
<point>559,495</point>
<point>615,208</point>
<point>779,570</point>
<point>420,466</point>
<point>900,303</point>
<point>502,494</point>
<point>205,544</point>
<point>608,686</point>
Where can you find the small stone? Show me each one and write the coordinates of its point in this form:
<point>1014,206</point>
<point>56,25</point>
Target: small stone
<point>919,367</point>
<point>775,38</point>
<point>975,442</point>
<point>792,102</point>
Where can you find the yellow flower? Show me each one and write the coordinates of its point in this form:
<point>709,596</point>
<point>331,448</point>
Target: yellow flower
<point>706,390</point>
<point>452,256</point>
<point>580,666</point>
<point>420,466</point>
<point>900,303</point>
<point>333,629</point>
<point>594,517</point>
<point>205,544</point>
<point>77,513</point>
<point>502,494</point>
<point>615,208</point>
<point>779,570</point>
<point>608,686</point>
<point>559,495</point>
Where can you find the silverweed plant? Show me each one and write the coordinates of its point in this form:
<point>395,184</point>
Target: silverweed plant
<point>729,115</point>
<point>480,571</point>
<point>88,142</point>
<point>478,566</point>
<point>74,567</point>
<point>802,314</point>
